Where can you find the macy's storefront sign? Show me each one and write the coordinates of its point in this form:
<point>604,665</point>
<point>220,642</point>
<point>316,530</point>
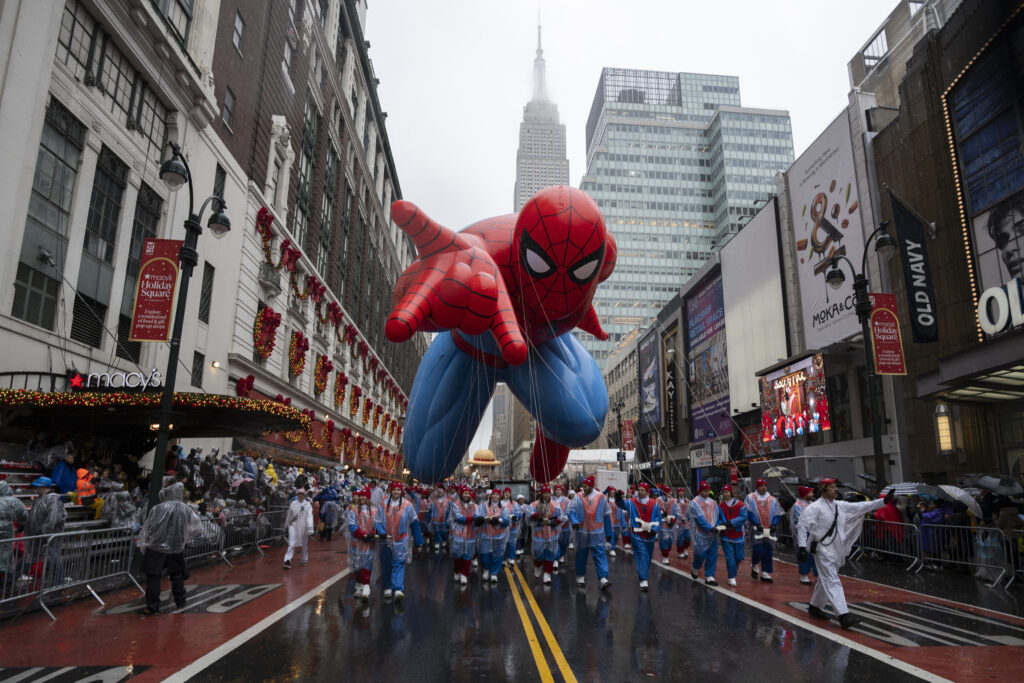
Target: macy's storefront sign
<point>115,380</point>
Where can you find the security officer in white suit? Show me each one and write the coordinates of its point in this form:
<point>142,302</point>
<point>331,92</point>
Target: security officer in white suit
<point>299,525</point>
<point>828,528</point>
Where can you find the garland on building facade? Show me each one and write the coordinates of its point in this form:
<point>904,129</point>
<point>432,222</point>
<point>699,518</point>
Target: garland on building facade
<point>322,368</point>
<point>264,332</point>
<point>297,349</point>
<point>340,382</point>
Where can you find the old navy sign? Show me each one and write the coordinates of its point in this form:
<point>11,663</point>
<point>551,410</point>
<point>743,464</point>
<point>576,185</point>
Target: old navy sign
<point>917,272</point>
<point>1001,308</point>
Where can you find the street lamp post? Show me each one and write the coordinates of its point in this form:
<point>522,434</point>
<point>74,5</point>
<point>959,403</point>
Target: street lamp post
<point>885,245</point>
<point>175,173</point>
<point>620,446</point>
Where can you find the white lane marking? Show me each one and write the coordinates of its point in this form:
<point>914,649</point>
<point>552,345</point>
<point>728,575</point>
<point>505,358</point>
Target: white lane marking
<point>817,630</point>
<point>923,595</point>
<point>947,628</point>
<point>878,612</point>
<point>969,615</point>
<point>213,655</point>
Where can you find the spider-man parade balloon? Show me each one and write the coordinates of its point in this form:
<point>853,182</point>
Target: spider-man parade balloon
<point>505,293</point>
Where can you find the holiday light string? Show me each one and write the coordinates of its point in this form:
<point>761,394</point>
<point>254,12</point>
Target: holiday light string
<point>264,332</point>
<point>297,349</point>
<point>322,368</point>
<point>340,383</point>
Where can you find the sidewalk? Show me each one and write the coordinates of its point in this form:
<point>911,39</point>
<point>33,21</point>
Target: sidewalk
<point>223,602</point>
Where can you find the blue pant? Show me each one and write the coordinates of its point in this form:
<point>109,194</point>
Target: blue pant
<point>491,562</point>
<point>560,385</point>
<point>807,567</point>
<point>563,544</point>
<point>683,539</point>
<point>513,543</point>
<point>642,551</point>
<point>600,561</point>
<point>707,559</point>
<point>733,556</point>
<point>762,555</point>
<point>391,572</point>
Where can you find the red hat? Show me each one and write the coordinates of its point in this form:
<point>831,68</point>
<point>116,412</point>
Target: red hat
<point>559,486</point>
<point>365,491</point>
<point>506,489</point>
<point>495,492</point>
<point>826,481</point>
<point>727,488</point>
<point>760,483</point>
<point>664,488</point>
<point>802,491</point>
<point>395,485</point>
<point>545,489</point>
<point>589,481</point>
<point>645,486</point>
<point>681,489</point>
<point>704,486</point>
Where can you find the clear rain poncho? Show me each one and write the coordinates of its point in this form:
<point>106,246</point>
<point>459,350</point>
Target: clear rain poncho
<point>47,516</point>
<point>11,511</point>
<point>121,511</point>
<point>171,524</point>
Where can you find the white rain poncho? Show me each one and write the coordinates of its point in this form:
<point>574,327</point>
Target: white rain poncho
<point>696,514</point>
<point>491,538</point>
<point>544,541</point>
<point>816,520</point>
<point>47,516</point>
<point>360,553</point>
<point>11,511</point>
<point>171,524</point>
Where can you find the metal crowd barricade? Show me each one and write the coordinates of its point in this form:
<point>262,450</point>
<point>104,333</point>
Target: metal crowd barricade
<point>983,548</point>
<point>271,525</point>
<point>241,531</point>
<point>209,543</point>
<point>895,539</point>
<point>1015,556</point>
<point>81,558</point>
<point>783,532</point>
<point>22,580</point>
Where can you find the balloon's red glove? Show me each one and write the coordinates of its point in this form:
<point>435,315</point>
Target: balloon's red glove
<point>454,283</point>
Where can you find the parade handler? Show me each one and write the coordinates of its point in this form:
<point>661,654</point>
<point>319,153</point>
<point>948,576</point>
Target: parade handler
<point>644,517</point>
<point>298,522</point>
<point>828,529</point>
<point>764,512</point>
<point>398,523</point>
<point>591,519</point>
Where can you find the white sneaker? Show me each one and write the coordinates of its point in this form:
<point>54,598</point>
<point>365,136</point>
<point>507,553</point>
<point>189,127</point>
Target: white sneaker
<point>476,563</point>
<point>581,581</point>
<point>685,555</point>
<point>456,575</point>
<point>611,553</point>
<point>570,546</point>
<point>555,565</point>
<point>805,580</point>
<point>732,582</point>
<point>605,582</point>
<point>486,575</point>
<point>547,579</point>
<point>664,560</point>
<point>366,590</point>
<point>399,595</point>
<point>463,579</point>
<point>537,572</point>
<point>437,548</point>
<point>494,578</point>
<point>387,594</point>
<point>643,585</point>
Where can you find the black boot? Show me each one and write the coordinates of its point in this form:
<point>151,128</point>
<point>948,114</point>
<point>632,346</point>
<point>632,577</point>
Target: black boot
<point>849,620</point>
<point>817,612</point>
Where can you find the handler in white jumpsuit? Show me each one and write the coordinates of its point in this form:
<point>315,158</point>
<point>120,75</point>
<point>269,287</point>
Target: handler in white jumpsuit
<point>299,524</point>
<point>831,527</point>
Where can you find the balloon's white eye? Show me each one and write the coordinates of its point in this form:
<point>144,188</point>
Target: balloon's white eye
<point>536,262</point>
<point>585,271</point>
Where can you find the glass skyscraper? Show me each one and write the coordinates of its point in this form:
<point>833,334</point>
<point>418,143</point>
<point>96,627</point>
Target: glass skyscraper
<point>677,166</point>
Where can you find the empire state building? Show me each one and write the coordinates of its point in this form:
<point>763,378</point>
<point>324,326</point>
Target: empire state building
<point>541,160</point>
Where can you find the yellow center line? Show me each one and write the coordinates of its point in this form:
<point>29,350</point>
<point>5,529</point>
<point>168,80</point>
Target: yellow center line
<point>531,636</point>
<point>556,651</point>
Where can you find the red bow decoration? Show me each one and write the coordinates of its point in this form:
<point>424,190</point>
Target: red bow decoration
<point>281,399</point>
<point>244,386</point>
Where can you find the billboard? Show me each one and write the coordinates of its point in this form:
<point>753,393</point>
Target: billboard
<point>707,361</point>
<point>999,241</point>
<point>794,401</point>
<point>752,296</point>
<point>826,223</point>
<point>650,380</point>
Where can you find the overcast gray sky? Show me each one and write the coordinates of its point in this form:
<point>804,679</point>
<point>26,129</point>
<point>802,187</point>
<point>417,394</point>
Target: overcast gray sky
<point>455,75</point>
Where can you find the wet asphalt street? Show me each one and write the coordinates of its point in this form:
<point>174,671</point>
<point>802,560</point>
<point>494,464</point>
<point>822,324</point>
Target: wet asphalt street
<point>679,630</point>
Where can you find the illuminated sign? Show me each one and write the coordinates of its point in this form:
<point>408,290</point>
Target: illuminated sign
<point>115,380</point>
<point>794,401</point>
<point>1000,308</point>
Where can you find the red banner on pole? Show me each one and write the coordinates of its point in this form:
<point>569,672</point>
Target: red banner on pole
<point>627,435</point>
<point>885,336</point>
<point>154,291</point>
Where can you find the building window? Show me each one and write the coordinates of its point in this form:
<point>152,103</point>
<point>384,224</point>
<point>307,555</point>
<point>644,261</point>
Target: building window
<point>147,217</point>
<point>35,297</point>
<point>229,107</point>
<point>876,49</point>
<point>198,361</point>
<point>206,295</point>
<point>311,120</point>
<point>275,179</point>
<point>178,14</point>
<point>49,208</point>
<point>327,211</point>
<point>220,179</point>
<point>287,58</point>
<point>87,320</point>
<point>105,206</point>
<point>236,36</point>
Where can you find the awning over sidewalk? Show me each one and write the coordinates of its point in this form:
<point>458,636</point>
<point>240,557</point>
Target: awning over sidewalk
<point>136,414</point>
<point>991,372</point>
